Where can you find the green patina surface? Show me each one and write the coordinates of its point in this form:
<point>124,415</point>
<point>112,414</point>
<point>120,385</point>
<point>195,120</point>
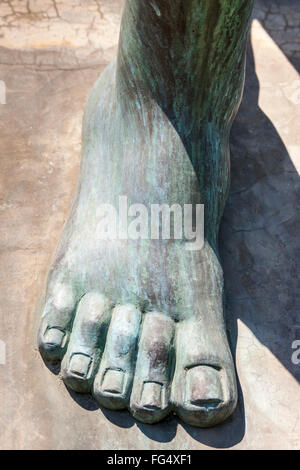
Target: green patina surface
<point>190,63</point>
<point>156,129</point>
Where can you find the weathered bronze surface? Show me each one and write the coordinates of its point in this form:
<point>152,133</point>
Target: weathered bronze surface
<point>139,323</point>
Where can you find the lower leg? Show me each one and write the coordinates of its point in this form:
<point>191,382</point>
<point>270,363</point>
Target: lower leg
<point>188,57</point>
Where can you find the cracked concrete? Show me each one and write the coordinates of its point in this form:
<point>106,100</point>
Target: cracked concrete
<point>51,52</point>
<point>281,18</point>
<point>67,33</point>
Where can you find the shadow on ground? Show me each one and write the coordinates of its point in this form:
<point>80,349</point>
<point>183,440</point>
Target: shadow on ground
<point>283,27</point>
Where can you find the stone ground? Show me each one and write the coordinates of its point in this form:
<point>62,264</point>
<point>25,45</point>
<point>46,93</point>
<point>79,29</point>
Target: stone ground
<point>51,52</point>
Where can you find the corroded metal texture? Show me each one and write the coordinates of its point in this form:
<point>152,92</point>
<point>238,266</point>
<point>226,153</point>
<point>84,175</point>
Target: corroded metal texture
<point>156,129</point>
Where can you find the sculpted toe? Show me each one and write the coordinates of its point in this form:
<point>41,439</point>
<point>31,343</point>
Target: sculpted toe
<point>52,344</point>
<point>56,322</point>
<point>81,360</point>
<point>209,395</point>
<point>113,381</point>
<point>150,398</point>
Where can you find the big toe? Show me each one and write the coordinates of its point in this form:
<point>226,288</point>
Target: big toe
<point>204,391</point>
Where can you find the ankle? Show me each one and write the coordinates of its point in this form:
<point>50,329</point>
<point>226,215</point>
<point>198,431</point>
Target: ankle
<point>190,58</point>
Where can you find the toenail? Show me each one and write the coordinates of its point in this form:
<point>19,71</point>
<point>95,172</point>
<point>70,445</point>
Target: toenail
<point>113,381</point>
<point>152,395</point>
<point>54,337</point>
<point>80,365</point>
<point>204,386</point>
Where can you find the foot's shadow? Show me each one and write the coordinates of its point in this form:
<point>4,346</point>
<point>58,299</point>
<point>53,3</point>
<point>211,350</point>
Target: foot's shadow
<point>162,432</point>
<point>259,241</point>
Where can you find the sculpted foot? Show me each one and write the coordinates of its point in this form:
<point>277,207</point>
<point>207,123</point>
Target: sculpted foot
<point>138,321</point>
